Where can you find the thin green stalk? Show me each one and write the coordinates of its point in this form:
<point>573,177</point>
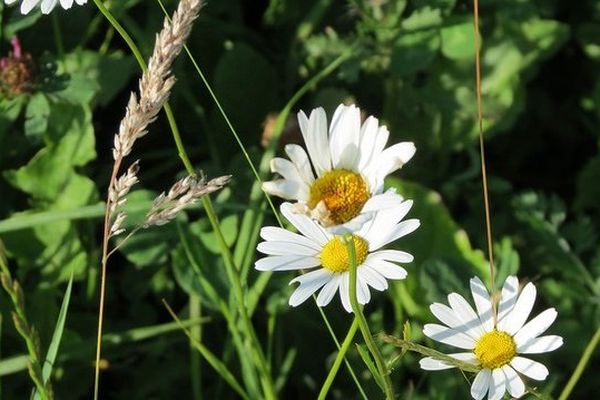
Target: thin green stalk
<point>338,360</point>
<point>60,48</point>
<point>362,322</point>
<point>407,345</point>
<point>229,318</point>
<point>338,346</point>
<point>210,357</point>
<point>196,333</point>
<point>585,358</point>
<point>142,63</point>
<point>234,278</point>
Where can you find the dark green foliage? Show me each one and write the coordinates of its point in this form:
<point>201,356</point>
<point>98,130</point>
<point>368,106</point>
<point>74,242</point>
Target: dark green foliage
<point>412,66</point>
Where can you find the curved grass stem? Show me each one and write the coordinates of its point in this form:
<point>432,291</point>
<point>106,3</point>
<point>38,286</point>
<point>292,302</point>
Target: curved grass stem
<point>234,278</point>
<point>585,358</point>
<point>382,368</point>
<point>338,360</point>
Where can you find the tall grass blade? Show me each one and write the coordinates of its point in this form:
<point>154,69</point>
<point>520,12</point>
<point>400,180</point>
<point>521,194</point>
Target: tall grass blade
<point>56,336</point>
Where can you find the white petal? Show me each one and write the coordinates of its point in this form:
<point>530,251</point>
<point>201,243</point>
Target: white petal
<point>286,169</point>
<point>309,283</point>
<point>497,385</point>
<point>345,291</point>
<point>510,291</point>
<point>449,336</point>
<point>392,255</point>
<point>470,321</point>
<point>289,190</point>
<point>328,291</point>
<point>286,263</point>
<point>385,268</point>
<point>372,278</point>
<point>81,2</point>
<point>402,229</point>
<point>363,295</point>
<point>28,5</point>
<point>514,320</point>
<point>314,132</point>
<point>276,233</point>
<point>530,368</point>
<point>482,303</point>
<point>449,317</point>
<point>395,157</point>
<point>431,364</point>
<point>353,226</point>
<point>305,225</point>
<point>300,159</point>
<point>344,137</point>
<point>386,200</point>
<point>514,383</point>
<point>368,137</point>
<point>446,315</point>
<point>66,4</point>
<point>9,1</point>
<point>535,327</point>
<point>481,384</point>
<point>380,228</point>
<point>542,344</point>
<point>276,248</point>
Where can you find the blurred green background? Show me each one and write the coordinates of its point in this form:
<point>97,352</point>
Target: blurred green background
<point>411,64</point>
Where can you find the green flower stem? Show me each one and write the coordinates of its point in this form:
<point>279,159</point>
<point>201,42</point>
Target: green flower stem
<point>407,345</point>
<point>585,358</point>
<point>362,322</point>
<point>338,360</point>
<point>234,278</point>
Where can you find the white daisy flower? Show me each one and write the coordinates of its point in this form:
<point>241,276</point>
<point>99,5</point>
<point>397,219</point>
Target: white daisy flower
<point>45,5</point>
<point>315,247</point>
<point>349,164</point>
<point>494,344</point>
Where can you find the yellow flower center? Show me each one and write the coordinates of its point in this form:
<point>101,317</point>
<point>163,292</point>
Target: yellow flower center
<point>343,192</point>
<point>495,349</point>
<point>334,255</point>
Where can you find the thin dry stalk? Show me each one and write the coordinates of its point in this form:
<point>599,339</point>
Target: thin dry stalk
<point>154,89</point>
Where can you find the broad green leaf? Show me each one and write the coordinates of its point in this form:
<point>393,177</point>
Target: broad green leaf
<point>458,40</point>
<point>36,117</point>
<point>110,73</point>
<point>242,69</point>
<point>49,171</point>
<point>423,18</point>
<point>414,51</point>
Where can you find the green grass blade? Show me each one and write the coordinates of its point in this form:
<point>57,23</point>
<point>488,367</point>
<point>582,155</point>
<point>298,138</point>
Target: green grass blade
<point>57,335</point>
<point>14,364</point>
<point>366,357</point>
<point>213,360</point>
